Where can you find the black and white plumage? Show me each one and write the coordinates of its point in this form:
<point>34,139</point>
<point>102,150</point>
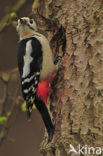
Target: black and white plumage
<point>36,67</point>
<point>29,63</point>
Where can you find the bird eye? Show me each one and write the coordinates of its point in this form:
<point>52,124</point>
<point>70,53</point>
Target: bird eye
<point>31,21</point>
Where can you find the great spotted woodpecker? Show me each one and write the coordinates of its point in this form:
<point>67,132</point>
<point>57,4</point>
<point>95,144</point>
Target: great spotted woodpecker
<point>37,69</point>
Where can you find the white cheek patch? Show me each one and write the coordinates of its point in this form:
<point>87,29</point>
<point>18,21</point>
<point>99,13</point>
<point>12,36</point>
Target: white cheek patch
<point>27,59</point>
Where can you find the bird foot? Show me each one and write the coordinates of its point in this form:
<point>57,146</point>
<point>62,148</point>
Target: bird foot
<point>58,61</point>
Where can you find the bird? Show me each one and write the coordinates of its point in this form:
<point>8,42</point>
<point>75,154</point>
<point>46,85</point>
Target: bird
<point>37,70</point>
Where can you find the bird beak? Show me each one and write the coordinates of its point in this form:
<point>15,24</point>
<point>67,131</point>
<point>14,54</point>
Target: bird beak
<point>22,21</point>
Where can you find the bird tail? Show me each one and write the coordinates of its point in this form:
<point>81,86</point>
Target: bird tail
<point>29,108</point>
<point>46,117</point>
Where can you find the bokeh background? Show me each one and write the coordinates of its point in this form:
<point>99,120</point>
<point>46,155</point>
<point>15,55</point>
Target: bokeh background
<point>24,137</point>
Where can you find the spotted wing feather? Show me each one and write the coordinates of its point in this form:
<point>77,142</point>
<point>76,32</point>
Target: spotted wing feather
<point>29,64</point>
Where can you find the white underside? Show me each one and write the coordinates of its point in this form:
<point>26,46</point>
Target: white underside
<point>48,65</point>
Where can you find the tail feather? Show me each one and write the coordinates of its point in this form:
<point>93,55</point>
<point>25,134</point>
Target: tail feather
<point>29,106</point>
<point>46,118</point>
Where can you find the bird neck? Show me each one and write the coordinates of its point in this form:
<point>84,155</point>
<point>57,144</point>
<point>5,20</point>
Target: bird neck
<point>26,33</point>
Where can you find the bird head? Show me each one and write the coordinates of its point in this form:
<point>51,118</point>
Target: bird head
<point>26,27</point>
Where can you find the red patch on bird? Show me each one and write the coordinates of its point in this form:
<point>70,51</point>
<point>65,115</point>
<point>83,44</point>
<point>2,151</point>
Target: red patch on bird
<point>43,91</point>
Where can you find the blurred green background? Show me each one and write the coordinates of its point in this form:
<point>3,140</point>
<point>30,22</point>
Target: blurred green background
<point>24,136</point>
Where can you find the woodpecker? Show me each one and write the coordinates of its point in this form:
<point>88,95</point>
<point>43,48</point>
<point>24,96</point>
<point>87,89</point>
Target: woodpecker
<point>36,68</point>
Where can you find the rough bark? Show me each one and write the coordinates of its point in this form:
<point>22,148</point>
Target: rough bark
<point>77,100</point>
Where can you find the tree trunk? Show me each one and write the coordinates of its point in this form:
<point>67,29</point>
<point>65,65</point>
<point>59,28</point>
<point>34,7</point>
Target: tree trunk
<point>75,31</point>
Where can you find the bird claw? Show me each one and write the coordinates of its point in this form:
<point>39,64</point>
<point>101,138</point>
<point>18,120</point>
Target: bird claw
<point>58,61</point>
